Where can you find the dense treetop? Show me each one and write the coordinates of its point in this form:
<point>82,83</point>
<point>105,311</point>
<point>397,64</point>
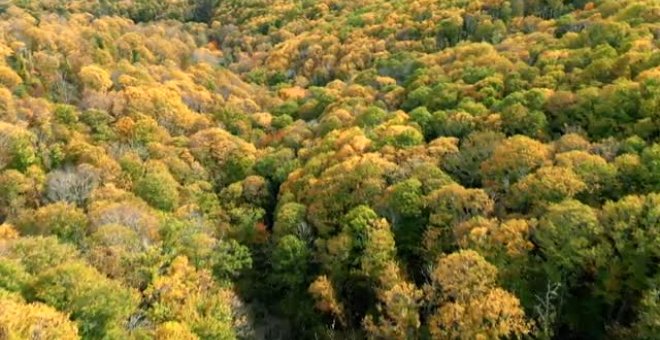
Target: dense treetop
<point>334,169</point>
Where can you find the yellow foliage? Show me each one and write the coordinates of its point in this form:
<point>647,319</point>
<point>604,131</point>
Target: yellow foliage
<point>326,301</point>
<point>491,237</point>
<point>463,275</point>
<point>7,106</point>
<point>512,159</point>
<point>19,320</point>
<point>95,78</point>
<point>191,297</point>
<point>293,93</point>
<point>8,232</point>
<point>496,315</point>
<point>470,305</point>
<point>173,330</point>
<point>9,78</point>
<point>400,318</point>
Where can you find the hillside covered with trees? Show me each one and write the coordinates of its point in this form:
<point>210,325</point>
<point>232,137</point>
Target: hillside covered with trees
<point>329,169</point>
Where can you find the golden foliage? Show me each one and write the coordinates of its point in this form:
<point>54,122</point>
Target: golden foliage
<point>19,320</point>
<point>326,301</point>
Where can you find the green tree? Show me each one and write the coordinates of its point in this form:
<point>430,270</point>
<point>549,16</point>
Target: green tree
<point>159,189</point>
<point>99,305</point>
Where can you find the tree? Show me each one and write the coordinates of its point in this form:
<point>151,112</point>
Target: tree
<point>230,258</point>
<point>16,147</point>
<point>475,148</point>
<point>158,188</point>
<point>14,192</point>
<point>341,187</point>
<point>454,203</point>
<point>127,211</point>
<point>13,277</point>
<point>20,320</point>
<point>93,77</point>
<point>631,226</point>
<point>9,78</point>
<point>518,119</point>
<point>72,185</point>
<point>37,254</point>
<point>110,250</point>
<point>325,296</point>
<point>189,296</point>
<point>290,220</point>
<point>449,206</point>
<point>467,302</point>
<point>400,136</point>
<point>546,185</point>
<point>228,158</point>
<point>646,326</point>
<point>449,31</point>
<point>172,330</point>
<point>570,236</point>
<point>99,305</point>
<point>511,160</point>
<point>289,262</point>
<point>405,199</point>
<point>598,175</point>
<point>67,222</point>
<point>398,308</point>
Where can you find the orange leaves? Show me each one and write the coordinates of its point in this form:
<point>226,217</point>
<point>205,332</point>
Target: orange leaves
<point>326,301</point>
<point>494,239</point>
<point>7,232</point>
<point>512,159</point>
<point>294,93</point>
<point>470,305</point>
<point>463,275</point>
<point>497,315</point>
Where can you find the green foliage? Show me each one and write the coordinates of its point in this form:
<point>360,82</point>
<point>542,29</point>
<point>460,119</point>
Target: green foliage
<point>569,234</point>
<point>290,261</point>
<point>230,259</point>
<point>159,189</point>
<point>63,220</point>
<point>13,277</point>
<point>100,306</point>
<point>406,199</point>
<point>38,254</point>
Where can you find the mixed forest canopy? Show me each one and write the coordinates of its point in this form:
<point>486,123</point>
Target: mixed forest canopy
<point>329,169</point>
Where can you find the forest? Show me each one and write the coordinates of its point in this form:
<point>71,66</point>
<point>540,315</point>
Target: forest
<point>329,169</point>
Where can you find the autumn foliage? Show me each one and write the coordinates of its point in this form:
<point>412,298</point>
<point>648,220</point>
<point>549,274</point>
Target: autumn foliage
<point>333,169</point>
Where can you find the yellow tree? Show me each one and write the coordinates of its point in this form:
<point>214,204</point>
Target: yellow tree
<point>398,307</point>
<point>546,185</point>
<point>95,78</point>
<point>468,304</point>
<point>186,295</point>
<point>20,320</point>
<point>512,159</point>
<point>449,206</point>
